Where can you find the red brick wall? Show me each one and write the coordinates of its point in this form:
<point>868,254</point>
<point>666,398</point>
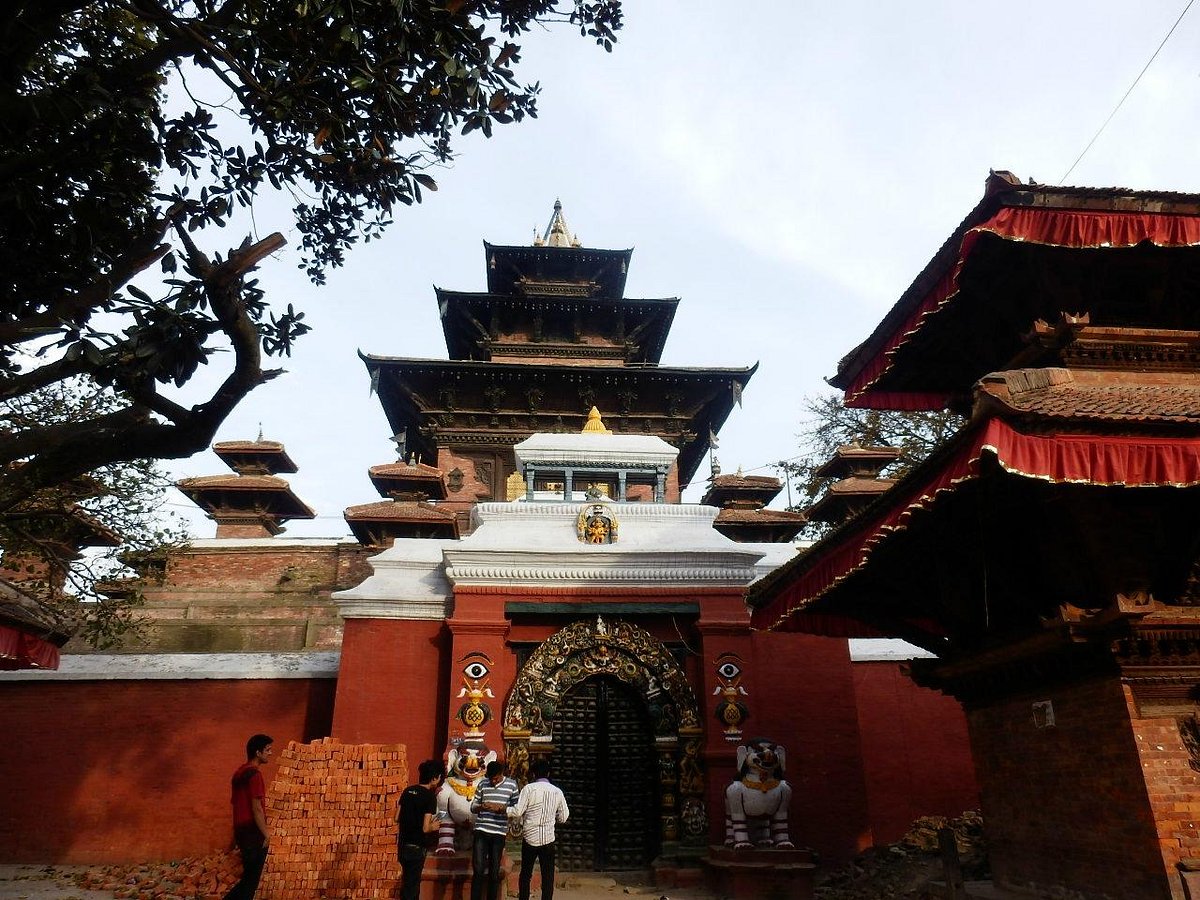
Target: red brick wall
<point>1173,787</point>
<point>136,771</point>
<point>1067,805</point>
<point>915,748</point>
<point>805,699</point>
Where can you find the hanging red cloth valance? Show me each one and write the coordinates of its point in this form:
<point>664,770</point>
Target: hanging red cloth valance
<point>21,650</point>
<point>1052,227</point>
<point>1135,462</point>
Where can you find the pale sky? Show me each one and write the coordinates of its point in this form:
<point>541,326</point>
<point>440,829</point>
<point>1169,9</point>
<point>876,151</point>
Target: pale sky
<point>785,168</point>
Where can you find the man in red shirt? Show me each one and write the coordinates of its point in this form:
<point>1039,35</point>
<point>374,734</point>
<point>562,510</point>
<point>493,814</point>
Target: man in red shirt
<point>249,817</point>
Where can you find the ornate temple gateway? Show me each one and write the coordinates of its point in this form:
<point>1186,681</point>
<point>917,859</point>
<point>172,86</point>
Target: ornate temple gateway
<point>1059,531</point>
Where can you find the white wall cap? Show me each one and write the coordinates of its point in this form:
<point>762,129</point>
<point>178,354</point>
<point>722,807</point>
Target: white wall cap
<point>183,666</point>
<point>407,582</point>
<point>885,650</point>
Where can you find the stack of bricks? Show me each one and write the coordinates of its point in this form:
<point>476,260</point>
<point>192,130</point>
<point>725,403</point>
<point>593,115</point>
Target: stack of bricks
<point>331,810</point>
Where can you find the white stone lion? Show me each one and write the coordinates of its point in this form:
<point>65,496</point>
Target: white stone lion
<point>756,805</point>
<point>465,765</point>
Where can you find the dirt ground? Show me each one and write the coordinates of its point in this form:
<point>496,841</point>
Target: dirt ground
<point>62,883</point>
<point>900,871</point>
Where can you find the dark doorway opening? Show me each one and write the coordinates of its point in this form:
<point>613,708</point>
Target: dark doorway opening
<point>604,761</point>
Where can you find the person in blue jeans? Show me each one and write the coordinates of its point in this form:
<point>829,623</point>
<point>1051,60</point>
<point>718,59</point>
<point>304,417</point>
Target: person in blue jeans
<point>493,798</point>
<point>417,816</point>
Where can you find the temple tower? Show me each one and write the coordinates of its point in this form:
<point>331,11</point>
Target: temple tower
<point>552,336</point>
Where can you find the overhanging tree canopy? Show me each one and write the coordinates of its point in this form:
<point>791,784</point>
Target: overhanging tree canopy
<point>102,177</point>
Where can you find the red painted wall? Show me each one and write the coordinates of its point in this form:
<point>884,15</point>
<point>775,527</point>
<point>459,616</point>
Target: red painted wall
<point>136,771</point>
<point>393,685</point>
<point>805,699</point>
<point>915,750</point>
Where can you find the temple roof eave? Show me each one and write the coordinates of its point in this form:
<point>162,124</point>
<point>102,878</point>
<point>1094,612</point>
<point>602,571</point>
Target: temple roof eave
<point>838,587</point>
<point>711,415</point>
<point>856,373</point>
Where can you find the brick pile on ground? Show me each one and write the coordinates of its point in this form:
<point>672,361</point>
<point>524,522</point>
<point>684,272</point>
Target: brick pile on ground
<point>206,878</point>
<point>331,809</point>
<point>906,869</point>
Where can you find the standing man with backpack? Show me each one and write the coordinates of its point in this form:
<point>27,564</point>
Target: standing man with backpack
<point>249,817</point>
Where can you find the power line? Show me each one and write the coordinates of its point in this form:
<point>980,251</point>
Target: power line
<point>1125,97</point>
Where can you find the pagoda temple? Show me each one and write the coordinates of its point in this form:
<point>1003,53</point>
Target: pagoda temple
<point>1046,556</point>
<point>552,336</point>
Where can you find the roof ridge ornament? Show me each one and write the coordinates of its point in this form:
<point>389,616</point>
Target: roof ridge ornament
<point>557,233</point>
<point>594,424</point>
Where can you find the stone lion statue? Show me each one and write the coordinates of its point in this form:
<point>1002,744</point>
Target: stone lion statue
<point>465,765</point>
<point>756,804</point>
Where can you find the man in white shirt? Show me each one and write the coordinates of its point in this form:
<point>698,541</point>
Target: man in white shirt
<point>540,807</point>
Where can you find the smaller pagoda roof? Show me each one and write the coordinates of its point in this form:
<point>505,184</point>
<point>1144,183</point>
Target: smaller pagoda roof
<point>29,636</point>
<point>247,494</point>
<point>727,489</point>
<point>844,497</point>
<point>371,522</point>
<point>255,457</point>
<point>732,515</point>
<point>409,478</point>
<point>852,460</point>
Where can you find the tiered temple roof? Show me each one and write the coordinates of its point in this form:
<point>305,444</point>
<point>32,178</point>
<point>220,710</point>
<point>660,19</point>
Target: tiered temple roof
<point>254,502</point>
<point>551,337</point>
<point>1065,321</point>
<point>407,511</point>
<point>744,517</point>
<point>857,470</point>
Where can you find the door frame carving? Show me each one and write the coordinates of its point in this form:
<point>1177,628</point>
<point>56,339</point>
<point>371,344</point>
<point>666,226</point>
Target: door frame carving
<point>633,656</point>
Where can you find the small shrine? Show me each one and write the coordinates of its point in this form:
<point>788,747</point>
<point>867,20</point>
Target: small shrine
<point>744,516</point>
<point>407,510</point>
<point>254,502</point>
<point>857,470</point>
<point>595,464</point>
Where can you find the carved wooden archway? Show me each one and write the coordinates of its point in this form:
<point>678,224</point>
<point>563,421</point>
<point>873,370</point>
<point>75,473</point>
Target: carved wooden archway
<point>631,655</point>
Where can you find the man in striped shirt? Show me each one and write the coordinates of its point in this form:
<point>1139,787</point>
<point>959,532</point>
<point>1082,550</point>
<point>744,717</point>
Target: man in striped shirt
<point>493,798</point>
<point>540,807</point>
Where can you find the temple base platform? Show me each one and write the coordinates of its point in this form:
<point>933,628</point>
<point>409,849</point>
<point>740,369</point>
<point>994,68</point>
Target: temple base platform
<point>756,874</point>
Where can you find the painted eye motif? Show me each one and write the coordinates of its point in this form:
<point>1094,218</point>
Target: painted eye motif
<point>475,670</point>
<point>728,670</point>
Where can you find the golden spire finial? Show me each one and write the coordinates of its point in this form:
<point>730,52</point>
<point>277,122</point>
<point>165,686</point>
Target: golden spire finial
<point>594,424</point>
<point>557,233</point>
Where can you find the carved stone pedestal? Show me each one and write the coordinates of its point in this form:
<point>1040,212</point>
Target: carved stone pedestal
<point>761,874</point>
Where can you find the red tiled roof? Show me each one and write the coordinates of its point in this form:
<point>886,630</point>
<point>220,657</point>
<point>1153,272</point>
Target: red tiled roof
<point>234,482</point>
<point>404,470</point>
<point>854,486</point>
<point>1066,394</point>
<point>398,510</point>
<point>742,481</point>
<point>247,446</point>
<point>729,516</point>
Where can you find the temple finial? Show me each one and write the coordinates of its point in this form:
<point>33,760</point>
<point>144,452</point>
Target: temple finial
<point>557,233</point>
<point>594,424</point>
<point>260,432</point>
